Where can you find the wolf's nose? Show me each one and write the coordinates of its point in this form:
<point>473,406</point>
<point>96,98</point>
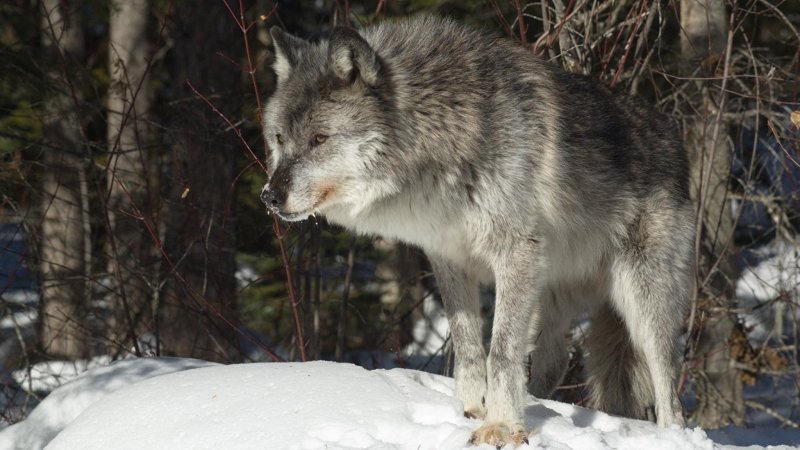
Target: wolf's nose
<point>273,198</point>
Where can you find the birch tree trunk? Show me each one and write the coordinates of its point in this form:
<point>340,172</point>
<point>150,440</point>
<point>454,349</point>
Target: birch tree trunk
<point>65,293</point>
<point>131,259</point>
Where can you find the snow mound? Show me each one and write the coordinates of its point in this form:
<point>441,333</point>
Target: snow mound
<point>301,406</point>
<point>67,402</point>
<point>256,406</point>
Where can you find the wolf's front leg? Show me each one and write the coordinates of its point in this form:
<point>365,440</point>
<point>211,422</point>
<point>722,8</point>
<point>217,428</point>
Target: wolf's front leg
<point>506,393</point>
<point>462,306</point>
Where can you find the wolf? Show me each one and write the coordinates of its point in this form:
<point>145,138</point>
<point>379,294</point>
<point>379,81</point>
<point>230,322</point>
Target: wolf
<point>504,169</point>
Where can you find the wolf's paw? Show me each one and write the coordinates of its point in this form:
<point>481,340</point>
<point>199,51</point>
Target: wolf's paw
<point>499,434</point>
<point>475,412</point>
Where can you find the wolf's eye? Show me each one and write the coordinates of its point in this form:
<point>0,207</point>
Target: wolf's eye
<point>279,138</point>
<point>319,139</point>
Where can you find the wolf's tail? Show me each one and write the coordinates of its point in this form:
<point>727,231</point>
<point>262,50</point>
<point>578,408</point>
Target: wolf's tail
<point>618,374</point>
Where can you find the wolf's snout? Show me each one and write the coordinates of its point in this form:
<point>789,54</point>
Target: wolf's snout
<point>272,197</point>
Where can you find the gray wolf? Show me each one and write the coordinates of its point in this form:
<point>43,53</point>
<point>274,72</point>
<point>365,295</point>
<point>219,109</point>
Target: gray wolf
<point>504,169</point>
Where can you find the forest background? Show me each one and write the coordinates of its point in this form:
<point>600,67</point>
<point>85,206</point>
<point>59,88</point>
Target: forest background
<point>131,160</point>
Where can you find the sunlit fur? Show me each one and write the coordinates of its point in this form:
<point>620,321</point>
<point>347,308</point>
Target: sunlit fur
<point>503,168</point>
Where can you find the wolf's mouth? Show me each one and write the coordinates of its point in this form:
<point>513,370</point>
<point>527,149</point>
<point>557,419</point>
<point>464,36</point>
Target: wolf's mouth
<point>293,217</point>
<point>302,215</point>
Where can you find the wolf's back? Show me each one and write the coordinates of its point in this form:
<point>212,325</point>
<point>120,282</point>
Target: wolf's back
<point>486,104</point>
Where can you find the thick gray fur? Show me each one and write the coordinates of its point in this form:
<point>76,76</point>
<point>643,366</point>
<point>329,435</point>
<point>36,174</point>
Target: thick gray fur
<point>503,168</point>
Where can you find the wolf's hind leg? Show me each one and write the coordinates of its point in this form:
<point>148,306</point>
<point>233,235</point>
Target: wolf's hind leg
<point>460,295</point>
<point>650,281</point>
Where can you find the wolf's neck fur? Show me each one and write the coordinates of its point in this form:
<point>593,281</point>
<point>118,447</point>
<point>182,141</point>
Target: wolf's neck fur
<point>424,215</point>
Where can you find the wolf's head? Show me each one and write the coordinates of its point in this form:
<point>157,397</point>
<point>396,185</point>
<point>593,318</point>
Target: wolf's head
<point>328,126</point>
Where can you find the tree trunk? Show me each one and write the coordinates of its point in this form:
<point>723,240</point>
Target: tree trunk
<point>198,314</point>
<point>704,25</point>
<point>131,259</point>
<point>65,292</point>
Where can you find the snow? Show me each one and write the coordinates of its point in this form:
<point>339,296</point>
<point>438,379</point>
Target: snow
<point>67,402</point>
<point>775,278</point>
<point>19,320</point>
<point>46,376</point>
<point>178,403</point>
<point>430,331</point>
<point>24,297</point>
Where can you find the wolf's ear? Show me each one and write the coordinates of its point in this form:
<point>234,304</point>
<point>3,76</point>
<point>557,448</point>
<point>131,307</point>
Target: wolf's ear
<point>351,57</point>
<point>287,51</point>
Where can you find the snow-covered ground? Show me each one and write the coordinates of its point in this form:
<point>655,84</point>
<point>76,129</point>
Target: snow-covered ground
<point>768,290</point>
<point>47,376</point>
<point>67,402</point>
<point>430,332</point>
<point>176,403</point>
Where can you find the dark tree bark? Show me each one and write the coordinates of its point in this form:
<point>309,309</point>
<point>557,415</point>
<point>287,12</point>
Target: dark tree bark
<point>198,310</point>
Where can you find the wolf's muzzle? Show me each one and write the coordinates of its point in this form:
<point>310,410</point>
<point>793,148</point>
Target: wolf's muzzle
<point>273,198</point>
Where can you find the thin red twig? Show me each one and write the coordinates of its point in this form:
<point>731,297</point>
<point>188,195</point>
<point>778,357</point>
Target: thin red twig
<point>629,44</point>
<point>521,23</point>
<point>251,71</point>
